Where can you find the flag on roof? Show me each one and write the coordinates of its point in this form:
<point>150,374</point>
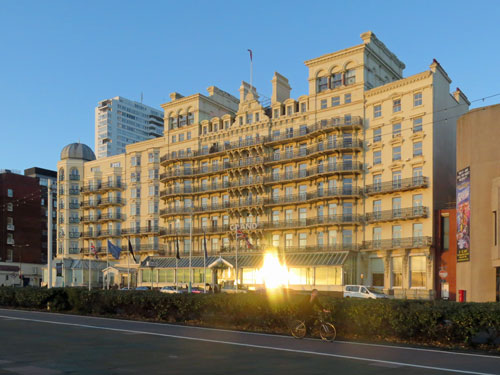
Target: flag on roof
<point>251,54</point>
<point>114,250</point>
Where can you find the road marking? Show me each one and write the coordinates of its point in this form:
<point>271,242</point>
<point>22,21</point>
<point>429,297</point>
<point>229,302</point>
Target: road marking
<point>259,334</point>
<point>255,346</point>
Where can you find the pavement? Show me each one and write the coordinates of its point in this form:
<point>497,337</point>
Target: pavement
<point>39,343</point>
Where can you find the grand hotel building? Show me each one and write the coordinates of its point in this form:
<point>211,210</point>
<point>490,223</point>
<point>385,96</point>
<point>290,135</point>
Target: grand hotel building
<point>342,182</point>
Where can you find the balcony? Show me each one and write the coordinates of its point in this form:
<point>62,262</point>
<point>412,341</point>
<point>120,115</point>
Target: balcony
<point>397,185</point>
<point>74,220</point>
<point>111,217</point>
<point>88,204</point>
<point>354,192</point>
<point>346,144</point>
<point>346,167</point>
<point>74,205</point>
<point>90,218</point>
<point>141,230</point>
<point>110,233</point>
<point>112,201</point>
<point>74,177</point>
<point>245,181</point>
<point>398,243</point>
<point>92,188</point>
<point>74,234</point>
<point>397,214</point>
<point>74,191</point>
<point>345,219</point>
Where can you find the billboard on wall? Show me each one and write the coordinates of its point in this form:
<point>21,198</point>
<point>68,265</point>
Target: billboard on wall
<point>463,215</point>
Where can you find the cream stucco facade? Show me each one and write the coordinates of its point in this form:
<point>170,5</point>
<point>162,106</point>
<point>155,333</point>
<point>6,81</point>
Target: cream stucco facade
<point>342,182</point>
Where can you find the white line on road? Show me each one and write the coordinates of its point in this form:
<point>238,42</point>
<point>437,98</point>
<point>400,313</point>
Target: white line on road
<point>251,346</point>
<point>264,334</point>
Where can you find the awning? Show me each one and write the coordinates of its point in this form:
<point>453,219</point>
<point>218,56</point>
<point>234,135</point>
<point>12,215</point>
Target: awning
<point>337,258</point>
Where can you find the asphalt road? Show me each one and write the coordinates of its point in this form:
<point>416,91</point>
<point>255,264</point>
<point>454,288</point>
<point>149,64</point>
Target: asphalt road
<point>35,343</point>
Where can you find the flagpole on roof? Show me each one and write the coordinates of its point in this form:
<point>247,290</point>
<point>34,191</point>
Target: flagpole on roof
<point>251,68</point>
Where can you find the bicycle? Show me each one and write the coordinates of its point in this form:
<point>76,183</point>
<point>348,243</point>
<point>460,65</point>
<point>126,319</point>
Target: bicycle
<point>327,331</point>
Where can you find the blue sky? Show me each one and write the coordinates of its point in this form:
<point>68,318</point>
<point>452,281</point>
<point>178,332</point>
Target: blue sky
<point>59,58</point>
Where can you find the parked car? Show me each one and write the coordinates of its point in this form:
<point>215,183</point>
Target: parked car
<point>169,290</point>
<point>361,291</point>
<point>142,288</point>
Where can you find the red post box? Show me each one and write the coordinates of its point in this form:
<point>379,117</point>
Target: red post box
<point>461,295</point>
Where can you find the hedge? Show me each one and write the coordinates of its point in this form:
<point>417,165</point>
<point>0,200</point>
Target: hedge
<point>440,323</point>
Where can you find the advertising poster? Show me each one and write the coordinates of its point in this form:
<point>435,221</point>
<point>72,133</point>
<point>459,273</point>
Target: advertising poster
<point>463,215</point>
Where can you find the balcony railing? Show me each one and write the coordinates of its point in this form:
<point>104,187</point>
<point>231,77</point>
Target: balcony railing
<point>141,230</point>
<point>301,197</point>
<point>74,191</point>
<point>74,234</point>
<point>398,243</point>
<point>193,189</point>
<point>102,186</point>
<point>398,214</point>
<point>323,125</point>
<point>318,147</point>
<point>74,206</point>
<point>320,169</point>
<point>111,201</point>
<point>74,220</point>
<point>113,216</point>
<point>74,177</point>
<point>397,185</point>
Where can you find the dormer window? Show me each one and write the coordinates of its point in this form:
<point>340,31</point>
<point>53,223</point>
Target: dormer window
<point>289,110</point>
<point>226,124</point>
<point>276,113</point>
<point>336,80</point>
<point>322,83</point>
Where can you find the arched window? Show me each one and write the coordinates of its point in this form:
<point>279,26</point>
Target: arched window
<point>74,174</point>
<point>322,84</point>
<point>61,174</point>
<point>350,77</point>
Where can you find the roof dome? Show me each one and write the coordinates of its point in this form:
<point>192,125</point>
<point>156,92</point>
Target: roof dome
<point>77,151</point>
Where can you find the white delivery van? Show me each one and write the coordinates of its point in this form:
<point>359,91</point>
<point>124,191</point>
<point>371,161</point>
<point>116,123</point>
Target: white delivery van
<point>361,291</point>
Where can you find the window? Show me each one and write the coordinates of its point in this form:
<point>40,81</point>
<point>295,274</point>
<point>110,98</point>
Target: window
<point>377,182</point>
<point>347,98</point>
<point>396,207</point>
<point>417,99</point>
<point>322,84</point>
<point>417,149</point>
<point>174,139</point>
<point>288,240</point>
<point>302,240</point>
<point>445,232</point>
<point>417,125</point>
<point>181,137</point>
<point>396,130</point>
<point>332,237</point>
<point>396,235</point>
<point>377,268</point>
<point>300,276</point>
<point>350,77</point>
<point>276,240</point>
<point>289,110</point>
<point>323,104</point>
<point>336,80</point>
<point>377,157</point>
<point>249,119</point>
<point>377,135</point>
<point>396,105</point>
<point>335,101</point>
<point>241,120</point>
<point>396,179</point>
<point>257,117</point>
<point>377,237</point>
<point>303,107</point>
<point>328,276</point>
<point>10,193</point>
<point>396,153</point>
<point>276,217</point>
<point>276,113</point>
<point>418,231</point>
<point>10,207</point>
<point>377,111</point>
<point>347,237</point>
<point>397,272</point>
<point>417,271</point>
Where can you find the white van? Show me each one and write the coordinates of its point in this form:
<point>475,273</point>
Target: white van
<point>361,291</point>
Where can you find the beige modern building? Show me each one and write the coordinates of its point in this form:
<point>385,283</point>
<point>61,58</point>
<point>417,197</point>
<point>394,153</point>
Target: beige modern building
<point>341,182</point>
<point>478,270</point>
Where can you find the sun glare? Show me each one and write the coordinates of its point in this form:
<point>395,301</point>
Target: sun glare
<point>273,273</point>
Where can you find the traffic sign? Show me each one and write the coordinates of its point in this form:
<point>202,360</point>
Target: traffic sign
<point>443,274</point>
